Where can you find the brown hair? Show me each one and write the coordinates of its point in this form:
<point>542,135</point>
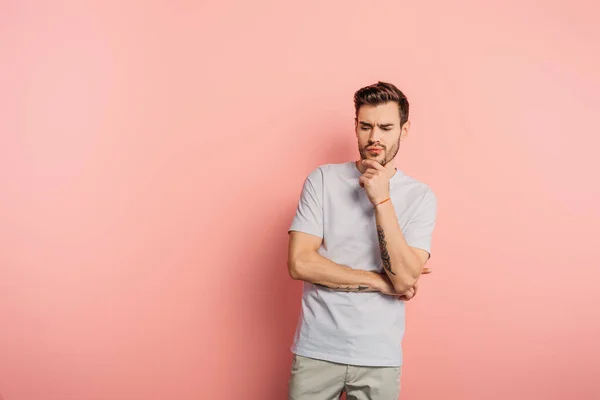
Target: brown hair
<point>380,93</point>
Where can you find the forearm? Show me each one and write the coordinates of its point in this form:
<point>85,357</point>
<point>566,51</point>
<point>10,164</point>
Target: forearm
<point>314,268</point>
<point>399,261</point>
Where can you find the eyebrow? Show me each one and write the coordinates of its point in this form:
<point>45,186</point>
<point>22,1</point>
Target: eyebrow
<point>380,125</point>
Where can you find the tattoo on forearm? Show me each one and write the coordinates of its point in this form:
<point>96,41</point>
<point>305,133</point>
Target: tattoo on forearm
<point>321,285</point>
<point>359,288</point>
<point>385,256</point>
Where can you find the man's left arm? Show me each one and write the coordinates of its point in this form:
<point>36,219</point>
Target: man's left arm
<point>404,256</point>
<point>403,263</point>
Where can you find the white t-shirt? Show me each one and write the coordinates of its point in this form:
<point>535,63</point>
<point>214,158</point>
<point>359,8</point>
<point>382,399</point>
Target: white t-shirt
<point>356,328</point>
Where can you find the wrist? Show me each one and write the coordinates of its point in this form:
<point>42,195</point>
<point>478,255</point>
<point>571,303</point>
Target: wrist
<point>375,280</point>
<point>381,201</point>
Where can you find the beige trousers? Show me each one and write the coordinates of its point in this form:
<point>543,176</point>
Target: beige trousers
<point>312,379</point>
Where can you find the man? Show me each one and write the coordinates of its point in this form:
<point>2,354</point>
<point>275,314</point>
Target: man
<point>360,240</point>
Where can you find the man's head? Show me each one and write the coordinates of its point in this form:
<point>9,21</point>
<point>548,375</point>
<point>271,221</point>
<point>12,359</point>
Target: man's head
<point>381,121</point>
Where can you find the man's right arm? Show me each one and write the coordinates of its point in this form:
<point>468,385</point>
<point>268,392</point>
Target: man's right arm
<point>306,264</point>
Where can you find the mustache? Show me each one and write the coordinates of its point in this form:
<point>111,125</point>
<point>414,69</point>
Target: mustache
<point>374,144</point>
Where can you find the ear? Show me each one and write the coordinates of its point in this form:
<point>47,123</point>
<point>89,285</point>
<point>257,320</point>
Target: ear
<point>404,130</point>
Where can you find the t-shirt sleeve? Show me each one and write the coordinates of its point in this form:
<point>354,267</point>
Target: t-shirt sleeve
<point>309,212</point>
<point>419,230</point>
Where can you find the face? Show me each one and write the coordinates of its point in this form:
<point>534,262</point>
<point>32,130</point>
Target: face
<point>379,132</point>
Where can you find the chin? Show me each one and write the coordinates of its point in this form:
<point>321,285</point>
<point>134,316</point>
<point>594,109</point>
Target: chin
<point>380,158</point>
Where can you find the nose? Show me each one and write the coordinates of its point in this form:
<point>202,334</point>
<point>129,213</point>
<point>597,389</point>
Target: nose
<point>375,135</point>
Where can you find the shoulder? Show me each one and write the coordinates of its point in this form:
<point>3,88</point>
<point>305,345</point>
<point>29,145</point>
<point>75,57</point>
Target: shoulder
<point>418,191</point>
<point>334,167</point>
<point>324,171</point>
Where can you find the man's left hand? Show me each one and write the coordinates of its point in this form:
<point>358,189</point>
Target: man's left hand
<point>375,181</point>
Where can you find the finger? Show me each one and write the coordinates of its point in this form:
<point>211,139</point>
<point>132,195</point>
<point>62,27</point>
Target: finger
<point>373,164</point>
<point>409,294</point>
<point>426,271</point>
<point>365,178</point>
<point>370,174</point>
<point>405,297</point>
<point>364,181</point>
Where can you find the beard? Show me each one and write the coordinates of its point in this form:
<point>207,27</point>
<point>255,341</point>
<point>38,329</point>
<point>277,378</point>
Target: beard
<point>385,156</point>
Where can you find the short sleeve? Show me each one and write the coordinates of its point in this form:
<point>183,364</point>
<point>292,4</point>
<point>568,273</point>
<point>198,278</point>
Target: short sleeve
<point>309,212</point>
<point>419,231</point>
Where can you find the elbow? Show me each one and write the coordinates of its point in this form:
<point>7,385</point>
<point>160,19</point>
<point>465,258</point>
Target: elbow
<point>300,265</point>
<point>295,268</point>
<point>404,282</point>
<point>401,286</point>
<point>406,277</point>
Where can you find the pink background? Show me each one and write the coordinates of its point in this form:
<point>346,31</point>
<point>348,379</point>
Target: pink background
<point>152,154</point>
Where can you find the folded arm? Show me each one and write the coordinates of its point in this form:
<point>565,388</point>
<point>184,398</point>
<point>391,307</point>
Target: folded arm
<point>402,263</point>
<point>304,263</point>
